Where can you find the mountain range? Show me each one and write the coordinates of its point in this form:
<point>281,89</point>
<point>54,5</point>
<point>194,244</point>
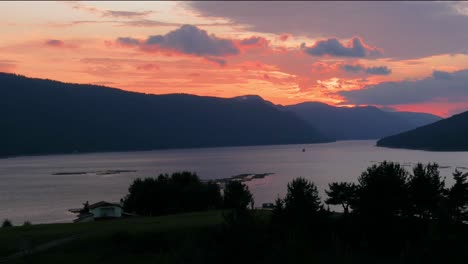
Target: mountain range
<point>445,135</point>
<point>353,123</point>
<point>49,117</point>
<point>45,117</point>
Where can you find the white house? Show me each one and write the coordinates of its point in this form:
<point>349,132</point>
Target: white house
<point>98,211</point>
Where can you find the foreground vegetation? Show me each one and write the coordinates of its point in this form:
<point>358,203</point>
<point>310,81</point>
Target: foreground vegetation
<point>390,216</point>
<point>98,240</point>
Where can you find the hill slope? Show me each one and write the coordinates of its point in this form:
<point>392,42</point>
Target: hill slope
<point>445,135</point>
<point>343,123</point>
<point>43,117</point>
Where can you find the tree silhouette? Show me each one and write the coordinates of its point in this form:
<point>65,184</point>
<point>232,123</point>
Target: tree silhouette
<point>341,193</point>
<point>237,196</point>
<point>302,197</point>
<point>278,210</point>
<point>458,196</point>
<point>382,191</point>
<point>426,188</point>
<point>180,192</point>
<point>6,223</point>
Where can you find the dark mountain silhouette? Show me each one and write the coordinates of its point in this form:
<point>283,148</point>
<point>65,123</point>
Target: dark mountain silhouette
<point>445,135</point>
<point>346,123</point>
<point>44,117</point>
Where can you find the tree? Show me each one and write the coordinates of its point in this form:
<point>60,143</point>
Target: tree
<point>341,193</point>
<point>458,196</point>
<point>302,197</point>
<point>278,209</point>
<point>6,223</point>
<point>237,196</point>
<point>382,191</point>
<point>425,189</point>
<point>180,192</point>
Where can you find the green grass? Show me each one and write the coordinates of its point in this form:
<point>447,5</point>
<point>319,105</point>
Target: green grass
<point>102,236</point>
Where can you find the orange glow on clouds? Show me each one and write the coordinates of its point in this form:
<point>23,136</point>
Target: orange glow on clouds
<point>443,109</point>
<point>77,43</point>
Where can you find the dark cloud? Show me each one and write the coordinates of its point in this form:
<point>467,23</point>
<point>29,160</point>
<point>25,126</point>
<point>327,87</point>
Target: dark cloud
<point>454,89</point>
<point>379,70</point>
<point>157,23</point>
<point>404,29</point>
<point>148,23</point>
<point>358,68</point>
<point>219,61</point>
<point>134,22</point>
<point>441,75</point>
<point>353,68</point>
<point>127,14</point>
<point>128,41</point>
<point>189,39</point>
<point>333,47</point>
<point>107,13</point>
<point>54,43</point>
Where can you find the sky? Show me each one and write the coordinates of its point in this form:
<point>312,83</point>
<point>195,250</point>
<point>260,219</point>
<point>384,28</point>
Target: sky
<point>405,56</point>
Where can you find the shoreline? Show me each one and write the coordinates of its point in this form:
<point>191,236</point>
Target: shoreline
<point>164,149</point>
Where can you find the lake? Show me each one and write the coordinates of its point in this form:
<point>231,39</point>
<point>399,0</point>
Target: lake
<point>29,190</point>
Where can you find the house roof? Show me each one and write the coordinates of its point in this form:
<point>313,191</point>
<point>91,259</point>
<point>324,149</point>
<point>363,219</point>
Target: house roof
<point>103,203</point>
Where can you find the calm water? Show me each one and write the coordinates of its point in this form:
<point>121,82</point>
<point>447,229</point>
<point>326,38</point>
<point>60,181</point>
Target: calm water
<point>30,191</point>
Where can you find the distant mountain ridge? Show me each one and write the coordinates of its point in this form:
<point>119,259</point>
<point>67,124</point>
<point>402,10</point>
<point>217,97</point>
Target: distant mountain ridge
<point>47,117</point>
<point>369,122</point>
<point>445,135</point>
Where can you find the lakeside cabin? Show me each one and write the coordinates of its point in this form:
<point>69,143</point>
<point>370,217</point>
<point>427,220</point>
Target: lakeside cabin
<point>98,211</point>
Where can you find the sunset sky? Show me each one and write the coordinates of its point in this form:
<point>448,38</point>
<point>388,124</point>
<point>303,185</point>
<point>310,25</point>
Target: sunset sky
<point>410,56</point>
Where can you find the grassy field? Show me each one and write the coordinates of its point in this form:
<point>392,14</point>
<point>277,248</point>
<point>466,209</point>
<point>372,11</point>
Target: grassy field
<point>116,241</point>
<point>204,237</point>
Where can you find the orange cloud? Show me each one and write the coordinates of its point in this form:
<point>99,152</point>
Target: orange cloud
<point>321,67</point>
<point>284,37</point>
<point>148,67</point>
<point>253,42</point>
<point>443,109</point>
<point>7,65</point>
<point>255,66</point>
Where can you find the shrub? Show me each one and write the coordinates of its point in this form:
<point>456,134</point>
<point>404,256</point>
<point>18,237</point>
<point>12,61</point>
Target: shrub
<point>6,223</point>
